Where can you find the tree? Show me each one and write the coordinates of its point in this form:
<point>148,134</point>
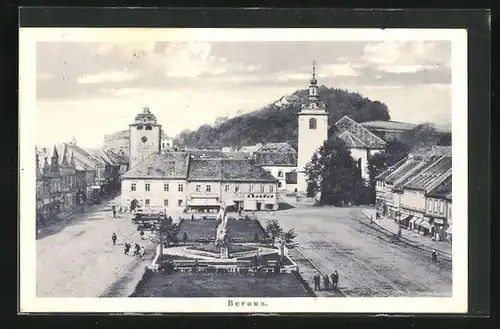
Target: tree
<point>333,172</point>
<point>284,239</point>
<point>393,152</point>
<point>274,123</point>
<point>274,230</point>
<point>160,233</point>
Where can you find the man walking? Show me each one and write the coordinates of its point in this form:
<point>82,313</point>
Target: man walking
<point>316,279</point>
<point>326,282</point>
<point>336,280</point>
<point>141,252</point>
<point>114,211</point>
<point>113,238</point>
<point>434,256</point>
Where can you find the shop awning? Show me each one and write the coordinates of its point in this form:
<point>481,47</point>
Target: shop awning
<point>425,224</point>
<point>413,220</point>
<point>418,221</point>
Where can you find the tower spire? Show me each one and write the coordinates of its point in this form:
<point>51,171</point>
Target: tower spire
<point>313,87</point>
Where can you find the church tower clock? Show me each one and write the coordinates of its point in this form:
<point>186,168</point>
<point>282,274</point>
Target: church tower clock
<point>313,130</point>
<point>144,137</point>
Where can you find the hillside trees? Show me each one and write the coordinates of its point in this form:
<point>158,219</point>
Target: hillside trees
<point>275,123</point>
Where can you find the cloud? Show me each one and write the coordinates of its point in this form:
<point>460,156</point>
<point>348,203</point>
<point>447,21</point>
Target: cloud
<point>110,76</point>
<point>345,69</point>
<point>405,57</point>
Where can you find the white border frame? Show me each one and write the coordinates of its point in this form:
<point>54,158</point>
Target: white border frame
<point>27,103</point>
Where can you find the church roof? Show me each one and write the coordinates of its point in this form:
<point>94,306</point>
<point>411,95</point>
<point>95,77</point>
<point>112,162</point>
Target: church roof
<point>388,125</point>
<point>168,165</point>
<point>363,136</point>
<point>276,159</point>
<point>352,141</point>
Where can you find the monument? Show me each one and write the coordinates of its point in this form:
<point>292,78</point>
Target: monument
<point>221,237</point>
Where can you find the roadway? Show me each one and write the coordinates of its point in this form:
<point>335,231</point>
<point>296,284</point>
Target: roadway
<point>369,263</point>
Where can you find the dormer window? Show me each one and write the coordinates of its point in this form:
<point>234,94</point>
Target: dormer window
<point>148,128</point>
<point>139,127</point>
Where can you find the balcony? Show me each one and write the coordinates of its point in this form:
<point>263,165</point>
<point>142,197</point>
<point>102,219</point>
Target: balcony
<point>210,195</point>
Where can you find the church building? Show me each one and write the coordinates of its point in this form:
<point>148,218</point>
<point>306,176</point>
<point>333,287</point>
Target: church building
<point>313,131</point>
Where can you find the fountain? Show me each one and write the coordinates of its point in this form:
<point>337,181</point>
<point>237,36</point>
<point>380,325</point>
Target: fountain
<point>222,251</point>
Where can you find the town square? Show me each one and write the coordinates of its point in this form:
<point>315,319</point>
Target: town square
<point>332,189</point>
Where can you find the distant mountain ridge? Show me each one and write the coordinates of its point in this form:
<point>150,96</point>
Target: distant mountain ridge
<point>277,122</point>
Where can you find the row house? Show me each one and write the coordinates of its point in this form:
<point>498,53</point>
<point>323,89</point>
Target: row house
<point>438,208</point>
<point>390,183</point>
<point>415,191</point>
<point>178,182</point>
<point>56,183</point>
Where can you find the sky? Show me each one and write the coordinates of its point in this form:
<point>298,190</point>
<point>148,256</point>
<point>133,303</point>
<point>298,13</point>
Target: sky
<point>89,89</point>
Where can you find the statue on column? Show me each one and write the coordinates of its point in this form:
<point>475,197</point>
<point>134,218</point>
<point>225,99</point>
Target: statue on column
<point>222,238</point>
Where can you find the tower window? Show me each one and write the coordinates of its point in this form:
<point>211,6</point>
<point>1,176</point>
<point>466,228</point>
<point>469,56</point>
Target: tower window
<point>139,127</point>
<point>312,123</point>
<point>148,128</point>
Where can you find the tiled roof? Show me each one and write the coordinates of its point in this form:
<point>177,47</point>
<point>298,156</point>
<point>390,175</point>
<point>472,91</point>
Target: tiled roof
<point>366,137</point>
<point>227,170</point>
<point>436,170</point>
<point>443,189</point>
<point>251,148</point>
<point>351,141</point>
<point>276,147</point>
<point>211,154</point>
<point>391,169</point>
<point>402,170</point>
<point>172,165</point>
<point>245,170</point>
<point>116,157</point>
<point>389,125</point>
<point>276,159</point>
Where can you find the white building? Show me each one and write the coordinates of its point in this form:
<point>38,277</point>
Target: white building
<point>278,165</point>
<point>176,182</point>
<point>312,131</point>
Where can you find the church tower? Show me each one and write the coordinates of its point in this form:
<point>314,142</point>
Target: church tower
<point>145,137</point>
<point>313,130</point>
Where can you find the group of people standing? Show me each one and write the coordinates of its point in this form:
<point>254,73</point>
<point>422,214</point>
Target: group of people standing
<point>327,284</point>
<point>137,251</point>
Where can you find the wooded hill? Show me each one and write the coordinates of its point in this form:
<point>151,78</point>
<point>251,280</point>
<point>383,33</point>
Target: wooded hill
<point>277,122</point>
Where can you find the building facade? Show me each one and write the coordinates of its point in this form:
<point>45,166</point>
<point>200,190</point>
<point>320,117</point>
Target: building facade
<point>278,165</point>
<point>312,131</point>
<point>145,137</point>
<point>176,182</point>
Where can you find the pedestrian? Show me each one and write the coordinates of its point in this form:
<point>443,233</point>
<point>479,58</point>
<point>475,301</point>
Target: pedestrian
<point>137,248</point>
<point>332,276</point>
<point>126,248</point>
<point>434,256</point>
<point>316,282</point>
<point>113,238</point>
<point>336,280</point>
<point>141,252</point>
<point>326,282</point>
<point>114,211</point>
